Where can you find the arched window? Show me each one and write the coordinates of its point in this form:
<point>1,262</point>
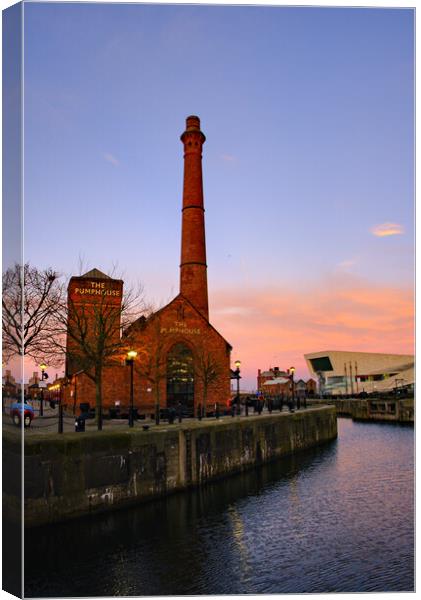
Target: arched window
<point>180,376</point>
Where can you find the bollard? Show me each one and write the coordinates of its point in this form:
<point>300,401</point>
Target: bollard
<point>100,418</point>
<point>199,412</point>
<point>180,416</point>
<point>217,411</point>
<point>157,415</point>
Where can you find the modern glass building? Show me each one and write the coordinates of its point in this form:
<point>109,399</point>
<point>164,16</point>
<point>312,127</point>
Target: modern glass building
<point>346,372</point>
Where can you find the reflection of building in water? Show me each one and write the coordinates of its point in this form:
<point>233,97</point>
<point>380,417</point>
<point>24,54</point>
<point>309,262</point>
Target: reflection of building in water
<point>240,541</point>
<point>341,372</point>
<point>181,357</point>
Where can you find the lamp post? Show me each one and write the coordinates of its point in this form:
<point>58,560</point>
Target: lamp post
<point>43,367</point>
<point>61,391</point>
<point>131,355</point>
<point>238,377</point>
<point>292,371</point>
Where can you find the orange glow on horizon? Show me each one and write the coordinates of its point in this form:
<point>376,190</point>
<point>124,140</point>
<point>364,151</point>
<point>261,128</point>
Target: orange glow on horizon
<point>276,327</point>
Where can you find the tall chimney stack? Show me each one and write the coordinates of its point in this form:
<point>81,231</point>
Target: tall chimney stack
<point>193,277</point>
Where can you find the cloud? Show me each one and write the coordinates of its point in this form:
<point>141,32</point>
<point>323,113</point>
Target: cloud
<point>111,159</point>
<point>336,314</point>
<point>347,263</point>
<point>228,158</point>
<point>386,229</point>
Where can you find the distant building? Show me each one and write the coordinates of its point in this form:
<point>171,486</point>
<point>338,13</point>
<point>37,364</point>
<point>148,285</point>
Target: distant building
<point>308,387</point>
<point>9,384</point>
<point>342,372</point>
<point>275,382</point>
<point>35,379</point>
<point>270,375</point>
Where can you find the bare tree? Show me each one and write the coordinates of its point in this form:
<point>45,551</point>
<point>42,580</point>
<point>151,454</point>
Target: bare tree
<point>151,362</point>
<point>207,370</point>
<point>90,334</point>
<point>30,298</point>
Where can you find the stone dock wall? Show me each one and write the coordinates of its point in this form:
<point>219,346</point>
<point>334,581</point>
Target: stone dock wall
<point>375,408</point>
<point>73,474</point>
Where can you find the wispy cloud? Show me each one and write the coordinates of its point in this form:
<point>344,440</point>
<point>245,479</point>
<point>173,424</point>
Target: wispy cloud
<point>228,158</point>
<point>385,229</point>
<point>111,159</point>
<point>345,264</point>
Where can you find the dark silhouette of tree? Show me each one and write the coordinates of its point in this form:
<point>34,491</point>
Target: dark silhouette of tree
<point>207,371</point>
<point>90,335</point>
<point>30,299</point>
<point>151,361</point>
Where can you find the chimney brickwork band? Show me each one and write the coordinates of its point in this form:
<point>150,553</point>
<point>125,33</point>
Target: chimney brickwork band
<point>193,276</point>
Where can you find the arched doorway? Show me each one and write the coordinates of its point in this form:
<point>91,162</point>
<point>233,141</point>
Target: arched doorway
<point>180,376</point>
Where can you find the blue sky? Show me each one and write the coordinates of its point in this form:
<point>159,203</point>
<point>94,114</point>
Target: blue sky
<point>308,114</point>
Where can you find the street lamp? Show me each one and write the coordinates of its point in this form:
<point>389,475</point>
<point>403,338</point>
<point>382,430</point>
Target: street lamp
<point>131,355</point>
<point>238,377</point>
<point>292,371</point>
<point>43,367</point>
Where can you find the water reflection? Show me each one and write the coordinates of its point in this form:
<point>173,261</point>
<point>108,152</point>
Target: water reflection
<point>326,520</point>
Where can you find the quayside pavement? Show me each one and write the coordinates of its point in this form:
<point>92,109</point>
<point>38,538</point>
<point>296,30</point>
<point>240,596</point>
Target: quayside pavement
<point>48,423</point>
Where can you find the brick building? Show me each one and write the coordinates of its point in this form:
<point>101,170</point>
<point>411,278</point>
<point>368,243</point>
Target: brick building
<point>9,386</point>
<point>180,355</point>
<point>269,375</point>
<point>275,382</point>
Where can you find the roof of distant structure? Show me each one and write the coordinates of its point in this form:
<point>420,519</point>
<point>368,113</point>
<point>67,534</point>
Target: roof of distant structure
<point>396,369</point>
<point>96,274</point>
<point>276,381</point>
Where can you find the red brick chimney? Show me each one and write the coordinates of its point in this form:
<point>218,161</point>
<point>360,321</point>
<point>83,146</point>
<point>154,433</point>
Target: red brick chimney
<point>193,277</point>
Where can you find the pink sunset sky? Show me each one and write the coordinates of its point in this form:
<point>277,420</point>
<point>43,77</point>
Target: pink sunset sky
<point>276,326</point>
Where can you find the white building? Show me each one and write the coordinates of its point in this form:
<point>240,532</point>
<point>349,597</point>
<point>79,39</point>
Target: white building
<point>340,372</point>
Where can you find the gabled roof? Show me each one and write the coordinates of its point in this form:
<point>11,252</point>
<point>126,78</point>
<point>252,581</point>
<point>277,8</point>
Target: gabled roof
<point>144,321</point>
<point>277,380</point>
<point>96,274</point>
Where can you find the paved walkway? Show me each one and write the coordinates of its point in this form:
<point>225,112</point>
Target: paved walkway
<point>48,423</point>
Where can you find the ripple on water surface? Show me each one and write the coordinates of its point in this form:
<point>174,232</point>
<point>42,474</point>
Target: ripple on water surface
<point>336,519</point>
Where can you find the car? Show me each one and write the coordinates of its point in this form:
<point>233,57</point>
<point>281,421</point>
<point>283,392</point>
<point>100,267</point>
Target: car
<point>16,411</point>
